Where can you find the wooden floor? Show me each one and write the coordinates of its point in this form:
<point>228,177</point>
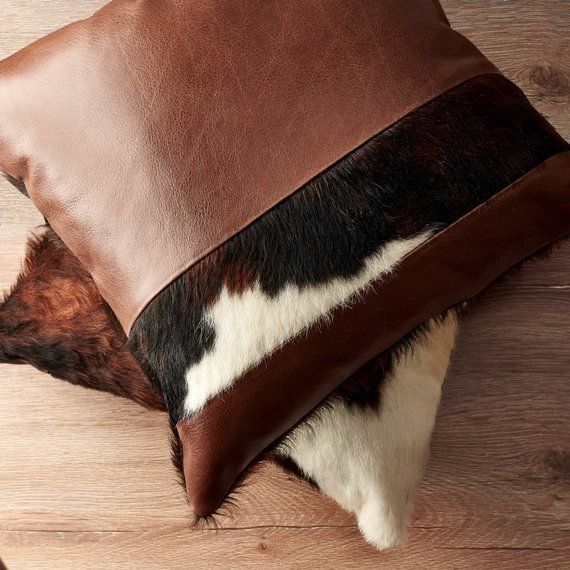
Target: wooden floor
<point>85,479</point>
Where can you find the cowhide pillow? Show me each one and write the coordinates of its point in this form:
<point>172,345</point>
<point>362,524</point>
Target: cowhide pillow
<point>365,448</point>
<point>269,195</point>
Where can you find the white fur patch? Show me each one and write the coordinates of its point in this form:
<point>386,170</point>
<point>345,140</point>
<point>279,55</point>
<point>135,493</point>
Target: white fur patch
<point>251,325</point>
<point>371,461</point>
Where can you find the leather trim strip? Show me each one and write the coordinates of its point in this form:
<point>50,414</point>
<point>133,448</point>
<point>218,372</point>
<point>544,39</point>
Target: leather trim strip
<point>456,264</point>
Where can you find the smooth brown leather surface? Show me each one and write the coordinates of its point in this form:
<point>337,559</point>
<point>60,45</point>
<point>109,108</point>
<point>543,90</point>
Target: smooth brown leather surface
<point>152,132</point>
<point>456,264</point>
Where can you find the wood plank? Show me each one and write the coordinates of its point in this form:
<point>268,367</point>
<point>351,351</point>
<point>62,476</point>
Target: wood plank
<point>323,548</point>
<point>549,269</point>
<point>109,457</point>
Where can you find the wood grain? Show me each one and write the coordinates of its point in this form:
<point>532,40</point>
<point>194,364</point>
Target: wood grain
<point>85,478</point>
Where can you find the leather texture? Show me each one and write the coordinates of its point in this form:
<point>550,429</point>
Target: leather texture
<point>454,265</point>
<point>152,132</point>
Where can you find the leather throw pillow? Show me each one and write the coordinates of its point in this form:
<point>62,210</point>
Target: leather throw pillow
<point>270,195</point>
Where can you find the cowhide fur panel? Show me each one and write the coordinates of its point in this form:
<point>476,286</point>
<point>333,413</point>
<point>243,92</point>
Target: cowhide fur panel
<point>55,320</point>
<point>384,451</point>
<point>348,226</point>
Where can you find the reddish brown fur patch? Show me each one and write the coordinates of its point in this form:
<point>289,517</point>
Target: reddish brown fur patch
<point>55,319</point>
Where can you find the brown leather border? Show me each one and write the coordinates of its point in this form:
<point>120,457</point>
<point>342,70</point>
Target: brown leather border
<point>454,265</point>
